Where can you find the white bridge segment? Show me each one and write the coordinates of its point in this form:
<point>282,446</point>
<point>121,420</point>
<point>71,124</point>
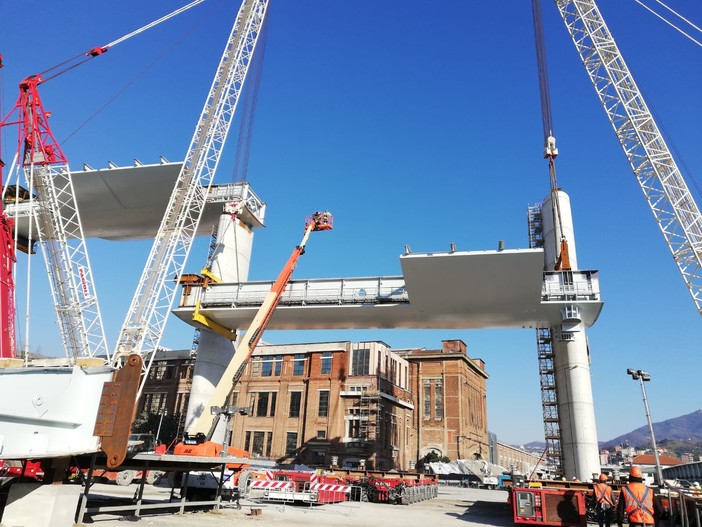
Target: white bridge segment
<point>461,290</point>
<point>128,203</point>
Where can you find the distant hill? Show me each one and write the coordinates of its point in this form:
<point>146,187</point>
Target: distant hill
<point>534,446</point>
<point>686,428</point>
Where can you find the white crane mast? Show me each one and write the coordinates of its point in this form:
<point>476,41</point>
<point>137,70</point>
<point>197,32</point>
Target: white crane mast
<point>146,318</point>
<point>669,198</point>
<point>67,263</point>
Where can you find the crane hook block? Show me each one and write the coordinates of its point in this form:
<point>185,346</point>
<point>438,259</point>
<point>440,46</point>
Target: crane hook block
<point>550,149</point>
<point>99,50</point>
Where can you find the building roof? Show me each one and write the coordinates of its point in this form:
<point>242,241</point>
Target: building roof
<point>648,459</point>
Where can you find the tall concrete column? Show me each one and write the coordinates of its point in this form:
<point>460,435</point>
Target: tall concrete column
<point>230,263</point>
<point>571,358</point>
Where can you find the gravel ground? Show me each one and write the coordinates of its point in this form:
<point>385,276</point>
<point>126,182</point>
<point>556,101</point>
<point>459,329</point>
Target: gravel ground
<point>458,507</point>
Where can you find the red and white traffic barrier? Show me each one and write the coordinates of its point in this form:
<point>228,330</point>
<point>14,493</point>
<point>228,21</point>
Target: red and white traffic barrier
<point>266,484</point>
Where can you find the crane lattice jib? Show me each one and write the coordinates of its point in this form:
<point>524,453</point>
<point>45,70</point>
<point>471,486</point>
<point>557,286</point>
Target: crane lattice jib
<point>668,196</point>
<point>152,301</point>
<point>60,230</point>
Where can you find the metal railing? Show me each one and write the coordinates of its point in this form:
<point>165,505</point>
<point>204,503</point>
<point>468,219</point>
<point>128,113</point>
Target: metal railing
<point>570,285</point>
<point>307,292</point>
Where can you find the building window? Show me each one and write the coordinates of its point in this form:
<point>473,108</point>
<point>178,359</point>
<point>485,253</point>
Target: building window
<point>323,409</point>
<point>438,400</point>
<point>427,399</point>
<point>267,367</point>
<point>182,403</point>
<point>321,434</point>
<point>264,403</point>
<point>295,398</point>
<point>354,428</point>
<point>360,363</point>
<point>269,442</point>
<point>247,442</point>
<point>257,447</point>
<point>290,443</point>
<point>256,367</point>
<point>299,364</point>
<point>278,365</point>
<point>326,363</point>
<point>186,369</point>
<point>161,370</point>
<point>154,403</point>
<point>274,400</point>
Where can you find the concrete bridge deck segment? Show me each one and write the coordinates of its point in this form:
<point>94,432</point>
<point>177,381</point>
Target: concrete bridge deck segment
<point>456,290</point>
<point>128,203</point>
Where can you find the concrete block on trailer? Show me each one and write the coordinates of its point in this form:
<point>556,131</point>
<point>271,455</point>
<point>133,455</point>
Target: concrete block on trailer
<point>38,505</point>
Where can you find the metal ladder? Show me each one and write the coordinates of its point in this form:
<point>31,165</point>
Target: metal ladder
<point>547,375</point>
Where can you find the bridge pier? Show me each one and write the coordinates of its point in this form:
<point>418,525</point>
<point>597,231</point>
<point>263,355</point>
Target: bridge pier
<point>571,358</point>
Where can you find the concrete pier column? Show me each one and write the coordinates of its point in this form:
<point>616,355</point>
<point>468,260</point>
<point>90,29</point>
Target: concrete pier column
<point>571,357</point>
<point>553,230</point>
<point>232,257</point>
<point>231,264</point>
<point>575,405</point>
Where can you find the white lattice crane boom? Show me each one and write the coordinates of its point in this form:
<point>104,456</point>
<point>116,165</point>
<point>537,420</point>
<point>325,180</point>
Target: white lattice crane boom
<point>146,318</point>
<point>666,192</point>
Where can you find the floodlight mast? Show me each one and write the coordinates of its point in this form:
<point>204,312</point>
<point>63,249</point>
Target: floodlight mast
<point>643,376</point>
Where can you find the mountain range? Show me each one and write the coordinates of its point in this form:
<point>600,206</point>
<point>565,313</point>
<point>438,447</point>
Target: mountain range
<point>686,429</point>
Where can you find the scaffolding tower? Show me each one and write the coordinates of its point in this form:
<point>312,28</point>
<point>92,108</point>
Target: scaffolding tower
<point>547,373</point>
<point>368,413</point>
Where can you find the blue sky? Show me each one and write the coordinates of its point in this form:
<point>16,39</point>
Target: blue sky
<point>415,123</point>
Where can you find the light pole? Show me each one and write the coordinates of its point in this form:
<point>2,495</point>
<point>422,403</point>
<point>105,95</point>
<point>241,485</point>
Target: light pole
<point>641,376</point>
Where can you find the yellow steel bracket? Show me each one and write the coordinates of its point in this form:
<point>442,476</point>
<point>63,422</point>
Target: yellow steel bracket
<point>211,324</point>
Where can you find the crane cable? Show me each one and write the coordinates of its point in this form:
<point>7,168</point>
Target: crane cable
<point>154,23</point>
<point>690,177</point>
<point>670,23</point>
<point>543,69</point>
<point>99,50</point>
<point>133,80</point>
<point>243,146</point>
<point>550,142</point>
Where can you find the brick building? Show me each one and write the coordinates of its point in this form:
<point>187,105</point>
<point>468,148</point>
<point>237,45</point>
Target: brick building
<point>329,402</point>
<point>450,395</point>
<point>167,388</point>
<point>346,403</point>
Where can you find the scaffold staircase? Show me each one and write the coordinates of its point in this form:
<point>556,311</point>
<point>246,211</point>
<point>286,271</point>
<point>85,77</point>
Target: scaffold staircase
<point>547,373</point>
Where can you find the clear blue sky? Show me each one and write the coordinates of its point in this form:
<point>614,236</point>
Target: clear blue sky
<point>415,123</point>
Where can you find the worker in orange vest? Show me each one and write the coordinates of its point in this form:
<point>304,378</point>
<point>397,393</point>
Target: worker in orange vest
<point>604,501</point>
<point>637,502</point>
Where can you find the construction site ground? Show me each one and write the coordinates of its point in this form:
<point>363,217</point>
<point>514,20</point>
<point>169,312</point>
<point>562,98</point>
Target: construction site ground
<point>455,506</point>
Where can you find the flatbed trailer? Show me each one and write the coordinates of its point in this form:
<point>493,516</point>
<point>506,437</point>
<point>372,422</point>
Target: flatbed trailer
<point>216,466</point>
